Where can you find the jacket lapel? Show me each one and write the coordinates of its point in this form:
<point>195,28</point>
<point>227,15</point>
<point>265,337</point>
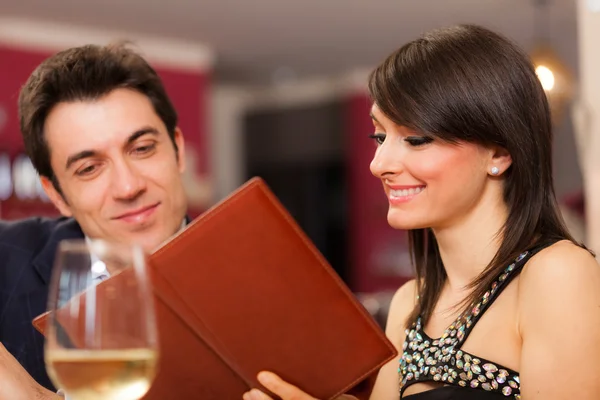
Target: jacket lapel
<point>66,229</point>
<point>43,262</point>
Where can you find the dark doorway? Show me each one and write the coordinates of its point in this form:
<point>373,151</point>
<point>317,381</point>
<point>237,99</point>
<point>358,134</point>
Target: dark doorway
<point>300,153</point>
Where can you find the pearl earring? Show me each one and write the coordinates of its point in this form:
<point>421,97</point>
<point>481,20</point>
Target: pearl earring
<point>495,170</point>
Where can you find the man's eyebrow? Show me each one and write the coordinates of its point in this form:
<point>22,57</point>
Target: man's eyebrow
<point>141,132</point>
<point>79,156</point>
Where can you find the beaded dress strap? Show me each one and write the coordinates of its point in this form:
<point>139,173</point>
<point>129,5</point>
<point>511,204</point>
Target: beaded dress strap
<point>466,323</point>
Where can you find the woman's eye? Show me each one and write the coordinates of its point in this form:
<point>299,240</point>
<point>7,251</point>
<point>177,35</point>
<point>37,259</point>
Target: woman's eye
<point>418,140</point>
<point>378,137</point>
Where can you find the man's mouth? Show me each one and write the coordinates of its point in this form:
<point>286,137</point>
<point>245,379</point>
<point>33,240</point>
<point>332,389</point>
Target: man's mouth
<point>138,215</point>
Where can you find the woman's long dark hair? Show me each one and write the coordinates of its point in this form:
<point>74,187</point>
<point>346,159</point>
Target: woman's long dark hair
<point>466,83</point>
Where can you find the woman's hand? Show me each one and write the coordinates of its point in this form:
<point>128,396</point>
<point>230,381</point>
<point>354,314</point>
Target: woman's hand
<point>282,389</point>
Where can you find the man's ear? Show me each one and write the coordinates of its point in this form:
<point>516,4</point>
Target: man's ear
<point>55,197</point>
<point>180,142</point>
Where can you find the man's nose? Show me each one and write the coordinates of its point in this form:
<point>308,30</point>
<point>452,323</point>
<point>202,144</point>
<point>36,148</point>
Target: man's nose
<point>128,182</point>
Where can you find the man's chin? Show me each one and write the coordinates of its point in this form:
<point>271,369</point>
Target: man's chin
<point>148,241</point>
<point>149,236</point>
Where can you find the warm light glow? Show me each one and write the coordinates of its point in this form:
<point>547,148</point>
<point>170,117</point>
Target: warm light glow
<point>593,5</point>
<point>546,77</point>
<point>555,78</point>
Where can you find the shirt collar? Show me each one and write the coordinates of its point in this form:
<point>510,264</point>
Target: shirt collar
<point>99,271</point>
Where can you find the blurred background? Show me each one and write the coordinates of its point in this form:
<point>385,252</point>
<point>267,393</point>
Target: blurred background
<point>276,88</point>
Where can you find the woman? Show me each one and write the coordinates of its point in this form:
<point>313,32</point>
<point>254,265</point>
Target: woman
<point>505,303</point>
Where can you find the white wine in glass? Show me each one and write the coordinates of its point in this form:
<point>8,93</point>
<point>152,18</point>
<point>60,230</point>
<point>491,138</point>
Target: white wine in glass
<point>101,339</point>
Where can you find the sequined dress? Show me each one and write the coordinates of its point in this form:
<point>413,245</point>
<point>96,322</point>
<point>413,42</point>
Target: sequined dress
<point>465,376</point>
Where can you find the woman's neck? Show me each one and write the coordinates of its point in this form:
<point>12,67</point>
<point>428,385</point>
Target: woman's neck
<point>469,245</point>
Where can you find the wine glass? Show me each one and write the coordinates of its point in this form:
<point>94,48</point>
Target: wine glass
<point>101,336</point>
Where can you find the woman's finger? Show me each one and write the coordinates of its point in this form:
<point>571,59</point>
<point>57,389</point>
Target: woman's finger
<point>282,388</point>
<point>256,394</point>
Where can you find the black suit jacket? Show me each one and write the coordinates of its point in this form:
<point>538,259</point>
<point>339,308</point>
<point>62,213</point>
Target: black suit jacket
<point>27,250</point>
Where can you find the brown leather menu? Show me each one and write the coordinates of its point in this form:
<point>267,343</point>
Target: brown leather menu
<point>242,289</point>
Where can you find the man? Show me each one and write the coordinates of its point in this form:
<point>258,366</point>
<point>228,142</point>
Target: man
<point>102,134</point>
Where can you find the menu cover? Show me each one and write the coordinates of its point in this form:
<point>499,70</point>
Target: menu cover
<point>242,289</point>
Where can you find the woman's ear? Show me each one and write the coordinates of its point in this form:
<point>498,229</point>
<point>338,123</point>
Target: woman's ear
<point>500,161</point>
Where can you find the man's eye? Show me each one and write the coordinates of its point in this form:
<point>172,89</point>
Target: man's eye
<point>144,149</point>
<point>87,170</point>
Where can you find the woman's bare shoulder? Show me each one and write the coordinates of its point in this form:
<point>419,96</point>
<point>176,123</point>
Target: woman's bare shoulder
<point>564,271</point>
<point>564,259</point>
<point>559,323</point>
<point>401,306</point>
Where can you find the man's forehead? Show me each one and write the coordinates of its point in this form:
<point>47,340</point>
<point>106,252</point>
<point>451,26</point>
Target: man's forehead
<point>81,125</point>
